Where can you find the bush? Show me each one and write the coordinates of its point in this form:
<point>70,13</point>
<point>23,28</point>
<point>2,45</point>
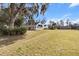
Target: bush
<point>19,21</point>
<point>51,27</point>
<point>15,31</point>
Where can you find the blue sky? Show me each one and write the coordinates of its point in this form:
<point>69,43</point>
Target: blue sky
<point>57,11</point>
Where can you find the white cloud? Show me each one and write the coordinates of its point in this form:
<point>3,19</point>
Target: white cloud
<point>76,21</point>
<point>64,17</point>
<point>73,5</point>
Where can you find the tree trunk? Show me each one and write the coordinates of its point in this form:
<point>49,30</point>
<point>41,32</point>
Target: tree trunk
<point>12,21</point>
<point>11,25</point>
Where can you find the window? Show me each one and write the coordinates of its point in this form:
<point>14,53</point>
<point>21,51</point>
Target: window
<point>45,25</point>
<point>40,26</point>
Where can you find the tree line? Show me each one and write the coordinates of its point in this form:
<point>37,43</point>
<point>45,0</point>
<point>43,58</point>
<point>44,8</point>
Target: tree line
<point>63,25</point>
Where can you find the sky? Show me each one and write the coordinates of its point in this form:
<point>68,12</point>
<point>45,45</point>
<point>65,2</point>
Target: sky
<point>62,11</point>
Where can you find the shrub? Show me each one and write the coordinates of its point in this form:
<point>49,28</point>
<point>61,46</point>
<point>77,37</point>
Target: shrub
<point>19,21</point>
<point>15,31</point>
<point>51,27</point>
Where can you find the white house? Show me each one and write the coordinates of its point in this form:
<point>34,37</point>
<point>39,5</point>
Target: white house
<point>41,26</point>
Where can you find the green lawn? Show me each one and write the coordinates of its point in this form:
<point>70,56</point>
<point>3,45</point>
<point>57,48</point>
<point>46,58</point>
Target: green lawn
<point>44,42</point>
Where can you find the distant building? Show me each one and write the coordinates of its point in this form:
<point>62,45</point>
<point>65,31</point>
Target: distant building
<point>41,26</point>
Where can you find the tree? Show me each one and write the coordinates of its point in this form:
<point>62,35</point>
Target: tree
<point>44,8</point>
<point>57,25</point>
<point>67,22</point>
<point>19,9</point>
<point>52,25</point>
<point>37,21</point>
<point>31,21</point>
<point>61,23</point>
<point>43,21</point>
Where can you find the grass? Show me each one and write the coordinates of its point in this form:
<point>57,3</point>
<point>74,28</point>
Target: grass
<point>44,42</point>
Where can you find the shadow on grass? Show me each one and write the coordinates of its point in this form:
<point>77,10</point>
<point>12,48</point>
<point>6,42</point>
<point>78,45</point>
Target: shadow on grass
<point>7,40</point>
